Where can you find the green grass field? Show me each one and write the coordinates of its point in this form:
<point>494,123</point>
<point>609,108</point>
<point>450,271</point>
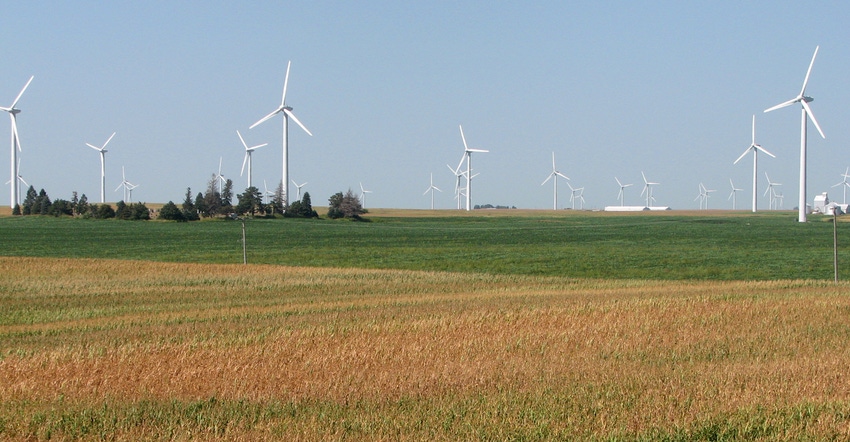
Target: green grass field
<point>763,246</point>
<point>484,326</point>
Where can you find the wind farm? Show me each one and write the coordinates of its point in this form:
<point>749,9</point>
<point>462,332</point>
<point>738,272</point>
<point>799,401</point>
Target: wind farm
<point>503,300</point>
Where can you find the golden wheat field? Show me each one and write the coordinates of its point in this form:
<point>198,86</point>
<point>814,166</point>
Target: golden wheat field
<point>119,350</point>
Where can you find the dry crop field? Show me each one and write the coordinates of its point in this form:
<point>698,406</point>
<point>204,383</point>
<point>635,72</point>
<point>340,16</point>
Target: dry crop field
<point>119,350</point>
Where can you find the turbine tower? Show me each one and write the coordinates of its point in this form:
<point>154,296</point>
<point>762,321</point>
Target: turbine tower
<point>20,178</point>
<point>804,101</point>
<point>458,174</point>
<point>16,145</point>
<point>287,114</point>
<point>431,189</point>
<point>247,159</point>
<point>554,177</point>
<point>754,148</point>
<point>622,195</point>
<point>102,150</point>
<point>468,153</point>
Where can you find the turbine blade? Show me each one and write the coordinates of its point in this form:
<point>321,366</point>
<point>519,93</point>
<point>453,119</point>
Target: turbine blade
<point>781,105</point>
<point>244,161</point>
<point>291,115</point>
<point>743,154</point>
<point>93,147</point>
<point>463,137</point>
<point>812,117</point>
<point>477,150</point>
<point>561,175</point>
<point>764,150</point>
<point>285,83</point>
<point>21,93</point>
<point>241,139</point>
<point>548,178</point>
<point>107,141</point>
<point>809,72</point>
<point>266,118</point>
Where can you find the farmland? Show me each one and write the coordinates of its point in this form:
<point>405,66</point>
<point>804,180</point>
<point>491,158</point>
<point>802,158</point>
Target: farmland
<point>560,327</point>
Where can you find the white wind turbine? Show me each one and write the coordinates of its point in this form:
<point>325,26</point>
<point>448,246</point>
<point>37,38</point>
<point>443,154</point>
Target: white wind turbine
<point>128,186</point>
<point>804,101</point>
<point>733,195</point>
<point>844,184</point>
<point>298,188</point>
<point>770,190</point>
<point>219,177</point>
<point>754,148</point>
<point>20,178</point>
<point>16,145</point>
<point>432,188</point>
<point>268,193</point>
<point>247,159</point>
<point>707,192</point>
<point>102,150</point>
<point>458,174</point>
<point>622,195</point>
<point>575,194</point>
<point>647,188</point>
<point>287,114</point>
<point>363,193</point>
<point>468,153</point>
<point>703,195</point>
<point>554,177</point>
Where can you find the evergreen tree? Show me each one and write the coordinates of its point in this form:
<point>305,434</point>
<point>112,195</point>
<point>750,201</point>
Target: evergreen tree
<point>201,205</point>
<point>41,206</point>
<point>227,198</point>
<point>301,209</point>
<point>170,212</point>
<point>279,194</point>
<point>213,198</point>
<point>122,211</point>
<point>189,211</point>
<point>83,205</point>
<point>74,201</point>
<point>139,211</point>
<point>29,201</point>
<point>16,210</point>
<point>250,201</point>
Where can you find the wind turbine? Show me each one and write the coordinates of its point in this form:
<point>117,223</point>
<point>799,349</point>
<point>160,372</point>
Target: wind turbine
<point>555,174</point>
<point>844,184</point>
<point>431,189</point>
<point>733,195</point>
<point>363,193</point>
<point>575,193</point>
<point>247,159</point>
<point>128,186</point>
<point>287,114</point>
<point>754,148</point>
<point>16,145</point>
<point>458,174</point>
<point>468,153</point>
<point>298,188</point>
<point>804,101</point>
<point>622,195</point>
<point>702,196</point>
<point>102,150</point>
<point>647,188</point>
<point>268,193</point>
<point>219,177</point>
<point>771,191</point>
<point>20,178</point>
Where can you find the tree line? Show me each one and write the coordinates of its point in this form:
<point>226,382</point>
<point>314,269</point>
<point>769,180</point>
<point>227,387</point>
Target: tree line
<point>216,202</point>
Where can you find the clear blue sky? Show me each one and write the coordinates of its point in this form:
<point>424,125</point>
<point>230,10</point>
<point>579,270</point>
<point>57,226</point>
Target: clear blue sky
<point>613,88</point>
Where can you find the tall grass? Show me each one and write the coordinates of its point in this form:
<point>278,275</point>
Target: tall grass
<point>102,349</point>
